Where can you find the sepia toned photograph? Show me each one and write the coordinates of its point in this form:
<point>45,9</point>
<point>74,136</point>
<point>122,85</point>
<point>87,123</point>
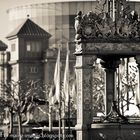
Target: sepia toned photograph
<point>70,70</point>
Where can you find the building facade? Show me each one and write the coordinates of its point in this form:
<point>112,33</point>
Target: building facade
<point>28,43</point>
<point>4,58</point>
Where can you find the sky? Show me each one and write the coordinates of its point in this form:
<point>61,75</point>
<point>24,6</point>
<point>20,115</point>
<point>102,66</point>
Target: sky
<point>6,4</point>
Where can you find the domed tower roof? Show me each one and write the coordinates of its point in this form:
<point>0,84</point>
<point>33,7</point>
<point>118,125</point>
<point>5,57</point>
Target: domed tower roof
<point>28,28</point>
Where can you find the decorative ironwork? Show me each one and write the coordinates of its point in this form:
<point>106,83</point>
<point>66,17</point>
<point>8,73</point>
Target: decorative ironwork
<point>108,25</point>
<point>127,87</point>
<point>98,87</point>
<point>115,115</point>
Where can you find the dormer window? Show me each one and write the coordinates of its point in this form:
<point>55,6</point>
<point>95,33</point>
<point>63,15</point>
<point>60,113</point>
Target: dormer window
<point>33,46</point>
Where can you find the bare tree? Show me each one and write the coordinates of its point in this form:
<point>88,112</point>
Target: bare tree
<point>20,97</point>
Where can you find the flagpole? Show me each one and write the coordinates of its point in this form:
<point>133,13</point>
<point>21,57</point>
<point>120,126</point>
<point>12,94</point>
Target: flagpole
<point>50,118</point>
<point>68,98</point>
<point>69,118</point>
<point>60,120</point>
<point>59,100</point>
<point>66,89</point>
<point>51,102</point>
<point>63,121</point>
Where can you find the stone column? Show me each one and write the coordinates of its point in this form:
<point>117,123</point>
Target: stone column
<point>110,66</point>
<point>84,66</point>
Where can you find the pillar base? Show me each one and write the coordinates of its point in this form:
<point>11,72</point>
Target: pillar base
<point>83,132</point>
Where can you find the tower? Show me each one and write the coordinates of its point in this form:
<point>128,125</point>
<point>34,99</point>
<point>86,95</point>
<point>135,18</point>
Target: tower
<point>27,44</point>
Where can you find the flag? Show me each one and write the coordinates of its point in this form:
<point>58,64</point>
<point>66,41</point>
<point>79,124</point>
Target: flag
<point>66,79</point>
<point>57,77</point>
<point>52,97</point>
<point>54,93</point>
<point>73,92</point>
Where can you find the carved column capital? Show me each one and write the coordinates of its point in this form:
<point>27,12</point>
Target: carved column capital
<point>110,64</point>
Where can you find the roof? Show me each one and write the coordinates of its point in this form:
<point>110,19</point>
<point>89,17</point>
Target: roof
<point>29,28</point>
<point>3,46</point>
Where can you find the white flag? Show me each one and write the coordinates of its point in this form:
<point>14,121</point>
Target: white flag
<point>52,97</point>
<point>66,79</point>
<point>57,77</point>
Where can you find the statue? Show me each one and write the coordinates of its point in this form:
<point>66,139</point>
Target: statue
<point>77,26</point>
<point>104,26</point>
<point>77,21</point>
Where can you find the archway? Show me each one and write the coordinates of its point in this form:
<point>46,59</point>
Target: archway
<point>111,37</point>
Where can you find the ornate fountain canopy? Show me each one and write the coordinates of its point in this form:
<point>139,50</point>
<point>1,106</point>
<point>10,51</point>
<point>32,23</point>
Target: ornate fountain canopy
<point>115,22</point>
